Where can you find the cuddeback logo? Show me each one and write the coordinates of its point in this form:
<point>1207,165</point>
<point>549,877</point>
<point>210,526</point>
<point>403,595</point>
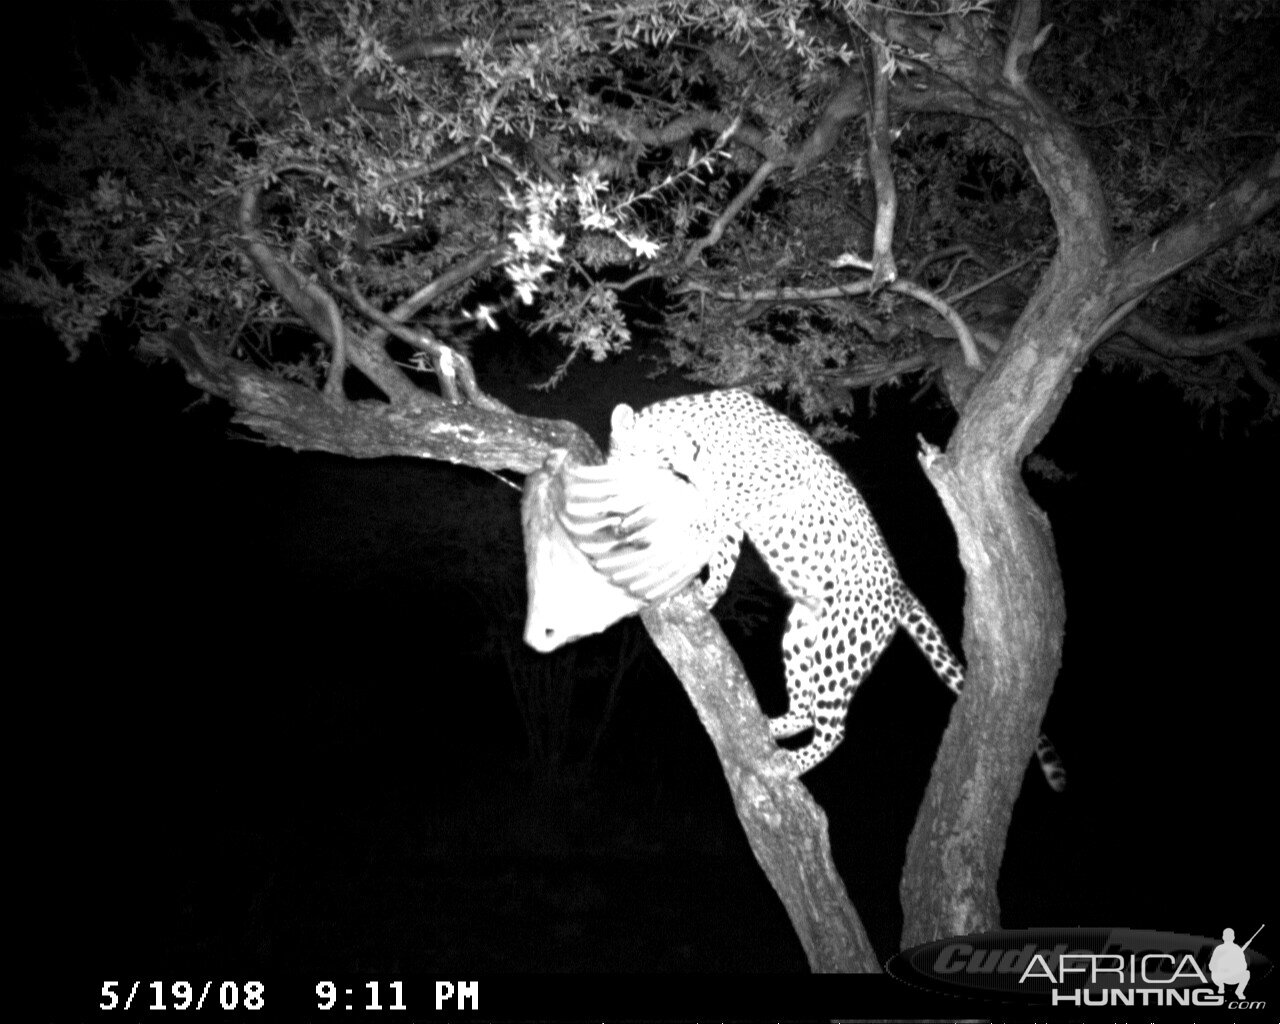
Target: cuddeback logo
<point>1078,967</point>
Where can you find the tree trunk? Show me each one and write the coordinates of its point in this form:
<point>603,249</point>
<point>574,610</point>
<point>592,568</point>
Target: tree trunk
<point>1014,611</point>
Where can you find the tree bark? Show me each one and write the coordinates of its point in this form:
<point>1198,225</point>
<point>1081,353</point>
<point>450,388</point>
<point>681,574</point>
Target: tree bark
<point>1015,617</point>
<point>302,418</point>
<point>786,829</point>
<point>1014,607</point>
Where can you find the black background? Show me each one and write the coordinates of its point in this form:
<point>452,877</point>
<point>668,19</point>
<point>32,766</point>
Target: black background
<point>256,726</point>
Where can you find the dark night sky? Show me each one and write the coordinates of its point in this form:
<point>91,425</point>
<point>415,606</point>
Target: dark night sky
<point>265,727</point>
<point>208,603</point>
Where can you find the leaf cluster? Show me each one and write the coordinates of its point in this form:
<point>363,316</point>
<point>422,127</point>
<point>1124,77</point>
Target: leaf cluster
<point>595,147</point>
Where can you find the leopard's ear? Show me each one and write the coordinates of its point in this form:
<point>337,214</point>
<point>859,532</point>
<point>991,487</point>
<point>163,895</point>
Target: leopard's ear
<point>623,417</point>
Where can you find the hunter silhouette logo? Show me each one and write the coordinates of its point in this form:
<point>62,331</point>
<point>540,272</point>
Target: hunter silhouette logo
<point>1227,966</point>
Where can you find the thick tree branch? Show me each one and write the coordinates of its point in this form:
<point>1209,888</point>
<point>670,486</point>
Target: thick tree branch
<point>1246,201</point>
<point>301,418</point>
<point>787,830</point>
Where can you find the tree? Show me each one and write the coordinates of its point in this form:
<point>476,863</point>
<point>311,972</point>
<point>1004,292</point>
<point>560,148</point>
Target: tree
<point>314,207</point>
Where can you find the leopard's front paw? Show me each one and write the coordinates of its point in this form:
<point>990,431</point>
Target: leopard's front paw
<point>782,764</point>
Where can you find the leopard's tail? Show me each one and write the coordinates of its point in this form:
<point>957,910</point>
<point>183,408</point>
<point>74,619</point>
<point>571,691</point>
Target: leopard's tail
<point>924,631</point>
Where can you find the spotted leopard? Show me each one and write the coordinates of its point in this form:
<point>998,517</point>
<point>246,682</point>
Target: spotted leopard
<point>733,466</point>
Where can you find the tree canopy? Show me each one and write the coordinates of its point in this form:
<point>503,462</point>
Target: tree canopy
<point>695,168</point>
<point>318,208</point>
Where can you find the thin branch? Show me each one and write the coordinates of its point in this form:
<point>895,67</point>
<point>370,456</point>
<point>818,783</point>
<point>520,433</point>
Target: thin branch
<point>682,128</point>
<point>845,103</point>
<point>902,286</point>
<point>987,282</point>
<point>971,357</point>
<point>1176,346</point>
<point>338,360</point>
<point>1213,374</point>
<point>878,159</point>
<point>963,249</point>
<point>788,294</point>
<point>318,309</point>
<point>451,366</point>
<point>1025,38</point>
<point>450,46</point>
<point>869,374</point>
<point>451,278</point>
<point>1258,373</point>
<point>732,210</point>
<point>434,167</point>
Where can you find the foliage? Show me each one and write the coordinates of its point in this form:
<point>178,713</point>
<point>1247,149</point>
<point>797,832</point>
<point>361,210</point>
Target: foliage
<point>1166,132</point>
<point>594,148</point>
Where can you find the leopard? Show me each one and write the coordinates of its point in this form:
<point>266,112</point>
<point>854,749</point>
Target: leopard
<point>726,466</point>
